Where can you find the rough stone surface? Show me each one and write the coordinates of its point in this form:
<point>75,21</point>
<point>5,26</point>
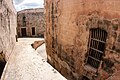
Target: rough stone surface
<point>8,24</point>
<point>68,24</point>
<point>26,64</point>
<point>28,19</point>
<point>36,44</point>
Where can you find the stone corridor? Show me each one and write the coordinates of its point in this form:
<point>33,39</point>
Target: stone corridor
<point>25,63</point>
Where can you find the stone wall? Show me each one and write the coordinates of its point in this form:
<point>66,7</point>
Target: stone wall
<point>68,25</point>
<point>7,27</point>
<point>28,19</point>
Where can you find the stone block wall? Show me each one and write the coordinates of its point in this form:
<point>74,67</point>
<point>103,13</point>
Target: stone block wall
<point>68,25</point>
<point>7,27</point>
<point>28,19</point>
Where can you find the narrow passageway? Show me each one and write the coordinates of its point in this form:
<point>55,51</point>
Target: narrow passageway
<point>25,63</point>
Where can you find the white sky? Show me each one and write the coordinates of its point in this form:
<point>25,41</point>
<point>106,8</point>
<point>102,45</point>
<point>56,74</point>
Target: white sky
<point>26,4</point>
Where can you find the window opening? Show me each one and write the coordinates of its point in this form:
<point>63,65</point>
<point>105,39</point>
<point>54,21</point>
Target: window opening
<point>96,47</point>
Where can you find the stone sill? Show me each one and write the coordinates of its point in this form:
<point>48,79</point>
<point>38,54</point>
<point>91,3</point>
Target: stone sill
<point>90,68</point>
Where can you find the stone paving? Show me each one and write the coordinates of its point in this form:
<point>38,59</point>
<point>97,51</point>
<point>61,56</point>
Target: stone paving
<point>26,64</point>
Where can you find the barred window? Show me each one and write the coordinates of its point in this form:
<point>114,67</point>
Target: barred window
<point>96,47</point>
<point>24,21</point>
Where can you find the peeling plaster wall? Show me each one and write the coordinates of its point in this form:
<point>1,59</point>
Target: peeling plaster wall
<point>7,27</point>
<point>33,18</point>
<point>67,35</point>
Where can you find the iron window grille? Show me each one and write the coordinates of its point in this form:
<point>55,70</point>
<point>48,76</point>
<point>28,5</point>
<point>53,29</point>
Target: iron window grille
<point>96,48</point>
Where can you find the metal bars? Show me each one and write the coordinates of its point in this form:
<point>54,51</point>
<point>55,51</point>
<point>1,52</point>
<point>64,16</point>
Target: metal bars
<point>96,47</point>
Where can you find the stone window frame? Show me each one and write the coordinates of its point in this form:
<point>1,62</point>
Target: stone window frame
<point>101,52</point>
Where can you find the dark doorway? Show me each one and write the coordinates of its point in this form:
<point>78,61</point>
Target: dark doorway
<point>33,30</point>
<point>23,32</point>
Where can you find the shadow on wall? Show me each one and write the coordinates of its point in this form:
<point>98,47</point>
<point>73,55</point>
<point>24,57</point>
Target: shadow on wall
<point>2,63</point>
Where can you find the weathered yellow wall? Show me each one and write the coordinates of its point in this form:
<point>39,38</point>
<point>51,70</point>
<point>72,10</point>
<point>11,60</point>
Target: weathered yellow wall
<point>67,34</point>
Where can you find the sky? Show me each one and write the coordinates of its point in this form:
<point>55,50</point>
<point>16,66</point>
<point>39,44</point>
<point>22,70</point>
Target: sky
<point>26,4</point>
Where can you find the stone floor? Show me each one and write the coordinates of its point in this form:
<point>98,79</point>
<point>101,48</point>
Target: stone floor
<point>26,64</point>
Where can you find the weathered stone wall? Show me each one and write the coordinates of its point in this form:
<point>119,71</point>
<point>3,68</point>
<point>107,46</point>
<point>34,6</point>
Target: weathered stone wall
<point>68,24</point>
<point>7,27</point>
<point>33,18</point>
